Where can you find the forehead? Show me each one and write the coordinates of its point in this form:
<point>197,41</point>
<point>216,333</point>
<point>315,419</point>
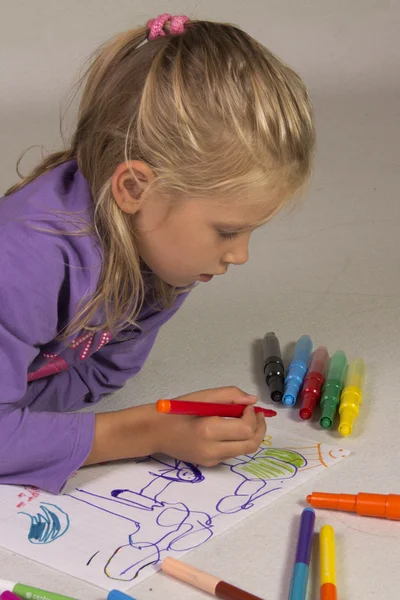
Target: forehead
<point>243,213</point>
<point>231,212</point>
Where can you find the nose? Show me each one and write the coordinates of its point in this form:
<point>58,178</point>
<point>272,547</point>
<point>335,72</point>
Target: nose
<point>238,255</point>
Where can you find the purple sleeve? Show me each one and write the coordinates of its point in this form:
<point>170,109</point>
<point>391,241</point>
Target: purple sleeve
<point>108,369</point>
<point>42,278</point>
<point>36,448</point>
<point>105,371</point>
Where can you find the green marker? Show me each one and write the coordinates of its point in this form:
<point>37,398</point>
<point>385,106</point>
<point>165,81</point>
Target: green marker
<point>332,389</point>
<point>29,593</point>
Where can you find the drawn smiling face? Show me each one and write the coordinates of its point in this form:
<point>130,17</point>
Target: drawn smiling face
<point>186,475</point>
<point>183,471</point>
<point>190,473</point>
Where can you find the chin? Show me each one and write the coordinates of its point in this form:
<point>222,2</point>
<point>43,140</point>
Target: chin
<point>184,284</point>
<point>179,283</point>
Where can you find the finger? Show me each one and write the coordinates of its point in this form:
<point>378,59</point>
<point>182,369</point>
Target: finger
<point>225,395</point>
<point>219,429</point>
<point>249,418</point>
<point>233,448</point>
<point>232,395</point>
<point>261,428</point>
<point>227,450</point>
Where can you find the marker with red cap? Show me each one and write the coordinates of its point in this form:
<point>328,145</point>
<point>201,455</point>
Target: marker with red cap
<point>311,392</point>
<point>207,409</point>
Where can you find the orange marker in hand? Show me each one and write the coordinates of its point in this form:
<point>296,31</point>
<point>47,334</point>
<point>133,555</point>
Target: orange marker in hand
<point>367,505</point>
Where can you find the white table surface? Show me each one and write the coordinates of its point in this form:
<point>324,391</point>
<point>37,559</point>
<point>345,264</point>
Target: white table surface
<point>330,268</point>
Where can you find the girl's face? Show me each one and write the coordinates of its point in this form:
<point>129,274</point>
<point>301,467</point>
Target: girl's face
<point>197,239</point>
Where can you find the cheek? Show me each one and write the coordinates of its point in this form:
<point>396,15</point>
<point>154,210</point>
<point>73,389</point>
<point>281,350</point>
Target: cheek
<point>172,248</point>
<point>191,239</point>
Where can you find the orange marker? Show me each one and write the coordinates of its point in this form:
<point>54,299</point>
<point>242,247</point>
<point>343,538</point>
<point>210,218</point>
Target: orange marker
<point>366,505</point>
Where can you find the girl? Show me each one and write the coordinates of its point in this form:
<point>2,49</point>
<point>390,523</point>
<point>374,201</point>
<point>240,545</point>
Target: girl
<point>189,136</point>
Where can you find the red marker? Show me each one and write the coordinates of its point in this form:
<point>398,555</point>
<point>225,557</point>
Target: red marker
<point>312,386</point>
<point>207,409</point>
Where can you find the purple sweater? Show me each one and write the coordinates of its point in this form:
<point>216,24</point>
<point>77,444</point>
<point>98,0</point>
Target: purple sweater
<point>43,277</point>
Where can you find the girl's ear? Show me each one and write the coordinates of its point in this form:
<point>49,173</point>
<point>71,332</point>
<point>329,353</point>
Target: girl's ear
<point>128,183</point>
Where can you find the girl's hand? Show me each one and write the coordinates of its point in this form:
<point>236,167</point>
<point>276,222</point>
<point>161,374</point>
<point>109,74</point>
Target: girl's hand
<point>208,441</point>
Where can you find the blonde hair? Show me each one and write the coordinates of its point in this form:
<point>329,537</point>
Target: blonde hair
<point>211,111</point>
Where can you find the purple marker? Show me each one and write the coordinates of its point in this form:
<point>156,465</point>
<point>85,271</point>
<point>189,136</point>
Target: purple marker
<point>298,587</point>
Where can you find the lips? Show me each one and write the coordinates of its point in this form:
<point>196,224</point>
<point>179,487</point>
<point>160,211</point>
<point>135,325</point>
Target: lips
<point>205,278</point>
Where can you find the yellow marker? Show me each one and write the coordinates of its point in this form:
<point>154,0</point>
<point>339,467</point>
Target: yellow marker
<point>327,563</point>
<point>351,398</point>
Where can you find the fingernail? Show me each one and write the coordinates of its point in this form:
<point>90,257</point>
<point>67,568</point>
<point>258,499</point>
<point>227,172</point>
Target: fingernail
<point>252,396</point>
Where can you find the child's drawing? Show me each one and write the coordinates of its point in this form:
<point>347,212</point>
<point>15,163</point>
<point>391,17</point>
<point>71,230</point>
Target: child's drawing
<point>184,530</point>
<point>179,527</point>
<point>49,524</point>
<point>115,529</point>
<point>257,471</point>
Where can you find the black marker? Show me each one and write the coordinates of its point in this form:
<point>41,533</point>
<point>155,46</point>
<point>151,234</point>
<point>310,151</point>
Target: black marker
<point>273,366</point>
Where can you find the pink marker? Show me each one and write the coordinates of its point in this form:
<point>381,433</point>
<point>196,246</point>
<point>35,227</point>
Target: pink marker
<point>313,382</point>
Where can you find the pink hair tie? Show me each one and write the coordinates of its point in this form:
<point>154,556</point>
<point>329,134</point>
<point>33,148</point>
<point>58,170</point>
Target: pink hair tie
<point>156,26</point>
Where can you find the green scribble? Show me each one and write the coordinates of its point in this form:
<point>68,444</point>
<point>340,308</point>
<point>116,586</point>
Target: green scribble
<point>273,463</point>
<point>289,456</point>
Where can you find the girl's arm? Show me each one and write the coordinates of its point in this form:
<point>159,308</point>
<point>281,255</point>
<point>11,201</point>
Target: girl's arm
<point>206,441</point>
<point>42,274</point>
<point>36,448</point>
<point>43,449</point>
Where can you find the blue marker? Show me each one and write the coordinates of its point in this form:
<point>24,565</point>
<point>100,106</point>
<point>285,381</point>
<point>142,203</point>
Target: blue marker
<point>117,595</point>
<point>297,370</point>
<point>298,586</point>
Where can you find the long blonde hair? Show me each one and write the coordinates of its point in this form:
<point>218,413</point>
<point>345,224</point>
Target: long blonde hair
<point>211,111</point>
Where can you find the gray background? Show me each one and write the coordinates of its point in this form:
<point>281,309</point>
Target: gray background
<point>328,268</point>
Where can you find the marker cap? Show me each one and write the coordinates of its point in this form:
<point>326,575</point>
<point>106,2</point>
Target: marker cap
<point>117,595</point>
<point>164,406</point>
<point>275,385</point>
<point>325,422</point>
<point>347,418</point>
<point>303,349</point>
<point>304,543</point>
<point>305,413</point>
<point>328,592</point>
<point>308,404</point>
<point>276,396</point>
<point>328,412</point>
<point>6,586</point>
<point>291,393</point>
<point>9,596</point>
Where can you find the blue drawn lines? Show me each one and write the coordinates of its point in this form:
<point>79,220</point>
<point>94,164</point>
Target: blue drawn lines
<point>49,524</point>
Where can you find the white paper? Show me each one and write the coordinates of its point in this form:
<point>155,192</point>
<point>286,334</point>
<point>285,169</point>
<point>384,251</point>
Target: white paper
<point>115,523</point>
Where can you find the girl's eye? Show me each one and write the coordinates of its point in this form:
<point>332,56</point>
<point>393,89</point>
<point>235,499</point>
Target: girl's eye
<point>228,235</point>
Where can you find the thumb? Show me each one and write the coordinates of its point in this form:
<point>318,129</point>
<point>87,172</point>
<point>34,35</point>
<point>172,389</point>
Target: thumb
<point>233,395</point>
